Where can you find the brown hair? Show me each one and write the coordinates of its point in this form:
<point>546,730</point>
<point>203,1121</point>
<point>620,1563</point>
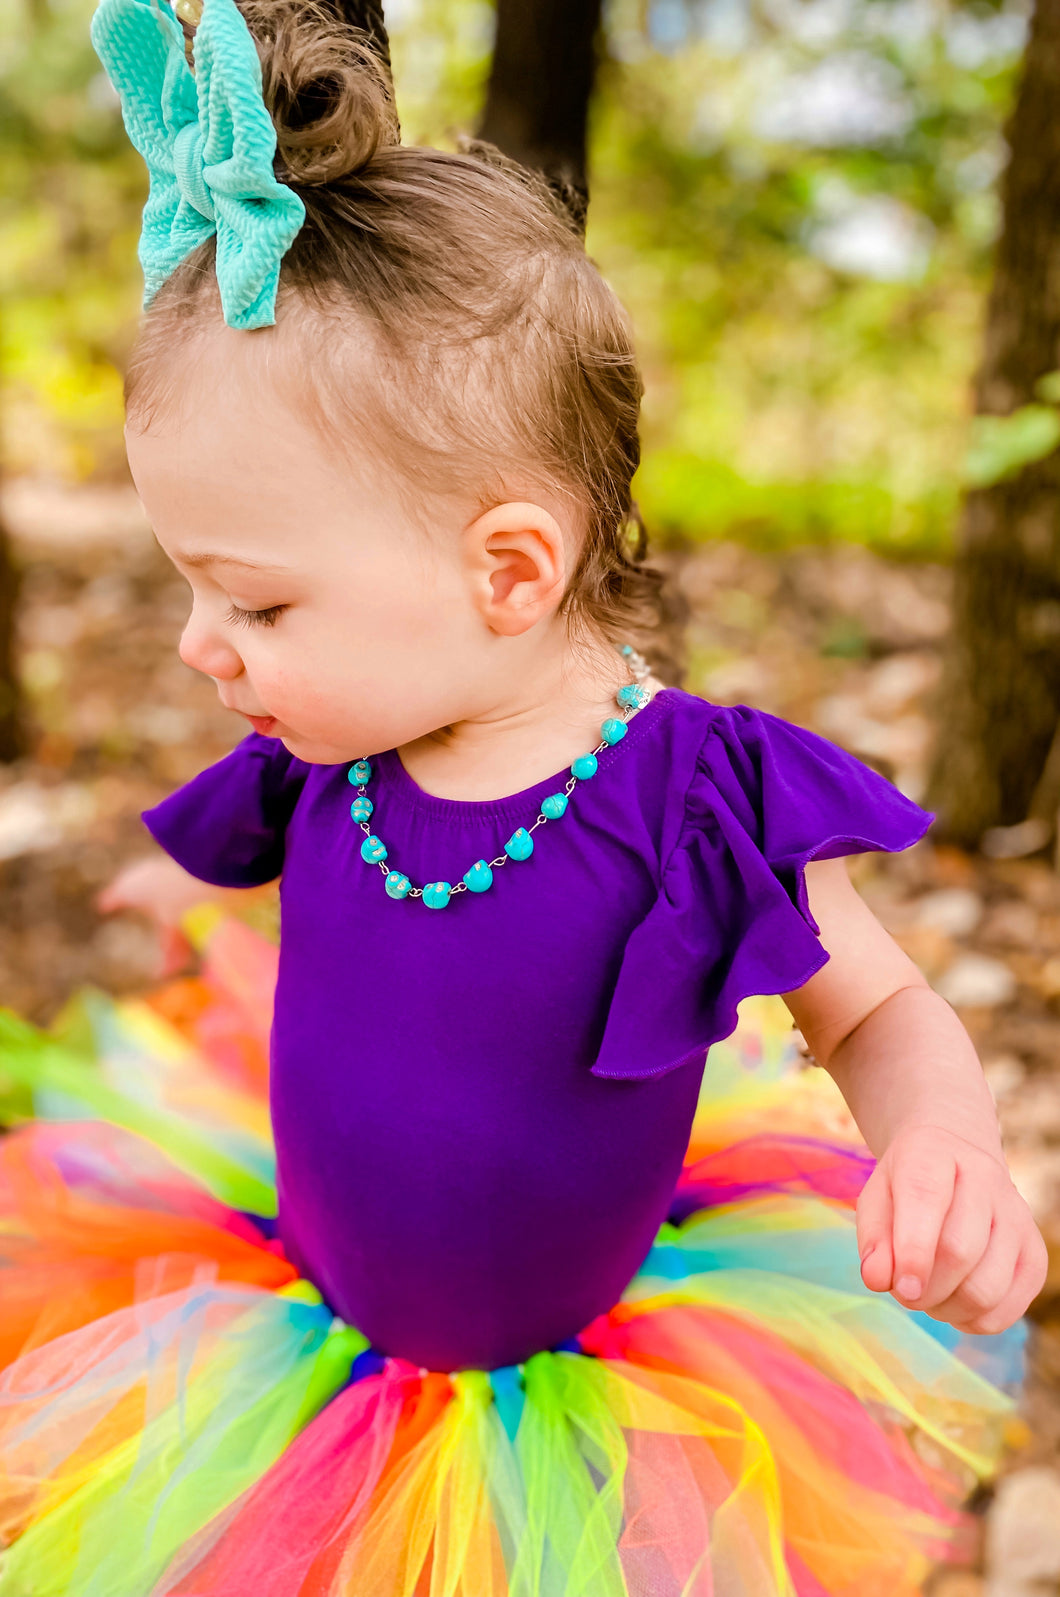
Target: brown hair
<point>494,346</point>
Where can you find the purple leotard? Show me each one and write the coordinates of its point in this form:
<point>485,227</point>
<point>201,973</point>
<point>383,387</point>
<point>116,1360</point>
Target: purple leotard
<point>480,1112</point>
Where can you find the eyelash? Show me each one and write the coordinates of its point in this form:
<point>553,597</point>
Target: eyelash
<point>255,618</point>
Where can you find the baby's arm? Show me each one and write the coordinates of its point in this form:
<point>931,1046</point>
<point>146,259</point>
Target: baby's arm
<point>939,1221</point>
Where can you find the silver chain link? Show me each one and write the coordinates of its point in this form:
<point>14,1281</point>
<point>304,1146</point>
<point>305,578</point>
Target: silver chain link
<point>639,670</point>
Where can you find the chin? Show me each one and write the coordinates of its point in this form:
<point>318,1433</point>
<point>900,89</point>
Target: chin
<point>313,752</point>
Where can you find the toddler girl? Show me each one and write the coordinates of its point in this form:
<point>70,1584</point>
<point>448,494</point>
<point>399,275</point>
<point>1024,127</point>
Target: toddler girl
<point>502,1328</point>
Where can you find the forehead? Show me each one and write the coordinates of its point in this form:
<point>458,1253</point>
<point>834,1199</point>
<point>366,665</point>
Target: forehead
<point>237,439</point>
<point>228,464</point>
<point>210,491</point>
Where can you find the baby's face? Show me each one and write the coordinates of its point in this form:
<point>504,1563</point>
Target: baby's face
<point>321,608</point>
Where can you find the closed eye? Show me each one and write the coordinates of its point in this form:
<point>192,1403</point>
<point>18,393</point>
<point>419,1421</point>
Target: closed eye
<point>255,618</point>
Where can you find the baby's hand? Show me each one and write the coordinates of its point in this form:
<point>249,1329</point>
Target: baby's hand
<point>941,1225</point>
<point>158,888</point>
<point>161,890</point>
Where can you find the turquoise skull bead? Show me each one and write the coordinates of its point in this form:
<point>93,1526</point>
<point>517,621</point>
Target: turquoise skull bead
<point>361,809</point>
<point>520,845</point>
<point>554,806</point>
<point>584,767</point>
<point>633,694</point>
<point>436,894</point>
<point>397,885</point>
<point>613,730</point>
<point>359,772</point>
<point>373,849</point>
<point>478,878</point>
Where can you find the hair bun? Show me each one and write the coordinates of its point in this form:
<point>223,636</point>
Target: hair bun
<point>325,87</point>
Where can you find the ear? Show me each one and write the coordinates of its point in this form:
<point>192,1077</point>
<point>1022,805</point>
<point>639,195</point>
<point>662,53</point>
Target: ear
<point>516,558</point>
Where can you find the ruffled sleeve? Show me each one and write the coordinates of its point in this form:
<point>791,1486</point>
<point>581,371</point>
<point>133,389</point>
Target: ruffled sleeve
<point>227,825</point>
<point>732,917</point>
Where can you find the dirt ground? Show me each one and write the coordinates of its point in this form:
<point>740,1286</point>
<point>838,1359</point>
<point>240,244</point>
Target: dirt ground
<point>842,642</point>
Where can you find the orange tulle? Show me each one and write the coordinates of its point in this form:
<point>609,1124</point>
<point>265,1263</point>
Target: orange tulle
<point>74,1253</point>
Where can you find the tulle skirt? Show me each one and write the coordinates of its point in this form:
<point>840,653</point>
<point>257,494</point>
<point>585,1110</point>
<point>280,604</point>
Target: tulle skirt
<point>182,1416</point>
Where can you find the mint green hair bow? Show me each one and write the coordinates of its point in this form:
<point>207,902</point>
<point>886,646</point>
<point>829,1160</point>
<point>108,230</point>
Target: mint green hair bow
<point>209,144</point>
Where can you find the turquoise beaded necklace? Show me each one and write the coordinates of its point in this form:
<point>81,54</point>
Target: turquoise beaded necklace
<point>630,698</point>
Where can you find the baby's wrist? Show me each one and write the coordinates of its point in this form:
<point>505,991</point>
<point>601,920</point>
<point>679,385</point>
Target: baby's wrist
<point>982,1134</point>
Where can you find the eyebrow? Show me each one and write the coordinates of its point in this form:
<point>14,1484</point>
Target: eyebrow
<point>206,559</point>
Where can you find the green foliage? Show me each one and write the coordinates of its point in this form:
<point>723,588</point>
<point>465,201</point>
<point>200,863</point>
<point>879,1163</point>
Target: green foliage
<point>71,192</point>
<point>1000,446</point>
<point>790,398</point>
<point>791,394</point>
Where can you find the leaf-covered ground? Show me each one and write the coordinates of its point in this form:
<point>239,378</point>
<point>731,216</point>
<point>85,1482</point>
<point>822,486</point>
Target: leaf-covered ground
<point>839,641</point>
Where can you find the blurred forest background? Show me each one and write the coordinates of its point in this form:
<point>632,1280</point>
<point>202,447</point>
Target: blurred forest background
<point>802,204</point>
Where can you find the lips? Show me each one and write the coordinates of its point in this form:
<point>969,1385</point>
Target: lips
<point>261,723</point>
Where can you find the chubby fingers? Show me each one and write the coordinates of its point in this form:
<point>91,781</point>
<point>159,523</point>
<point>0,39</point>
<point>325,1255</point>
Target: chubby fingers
<point>944,1229</point>
<point>875,1217</point>
<point>923,1182</point>
<point>111,898</point>
<point>963,1242</point>
<point>134,887</point>
<point>901,1213</point>
<point>997,1291</point>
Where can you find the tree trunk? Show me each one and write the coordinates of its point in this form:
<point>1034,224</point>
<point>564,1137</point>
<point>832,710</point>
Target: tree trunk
<point>12,725</point>
<point>537,103</point>
<point>12,739</point>
<point>1001,689</point>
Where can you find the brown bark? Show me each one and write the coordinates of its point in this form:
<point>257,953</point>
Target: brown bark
<point>1001,690</point>
<point>12,723</point>
<point>12,732</point>
<point>541,81</point>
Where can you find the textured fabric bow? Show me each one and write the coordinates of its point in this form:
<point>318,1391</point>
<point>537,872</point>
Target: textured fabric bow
<point>209,144</point>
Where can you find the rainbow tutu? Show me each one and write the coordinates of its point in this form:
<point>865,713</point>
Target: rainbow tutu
<point>182,1416</point>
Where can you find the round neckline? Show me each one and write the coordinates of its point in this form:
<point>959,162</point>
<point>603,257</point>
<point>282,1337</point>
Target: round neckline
<point>409,791</point>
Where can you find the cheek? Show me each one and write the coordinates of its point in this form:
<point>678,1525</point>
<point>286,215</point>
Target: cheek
<point>285,687</point>
<point>353,682</point>
<point>274,666</point>
<point>304,682</point>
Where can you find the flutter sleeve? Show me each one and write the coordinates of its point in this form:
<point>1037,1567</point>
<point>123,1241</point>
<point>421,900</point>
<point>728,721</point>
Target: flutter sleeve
<point>732,917</point>
<point>227,825</point>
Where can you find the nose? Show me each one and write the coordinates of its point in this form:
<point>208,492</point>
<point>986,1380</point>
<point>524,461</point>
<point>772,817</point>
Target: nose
<point>205,649</point>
